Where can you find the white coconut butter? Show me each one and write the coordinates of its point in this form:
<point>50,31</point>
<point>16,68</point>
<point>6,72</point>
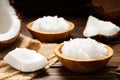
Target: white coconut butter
<point>50,24</point>
<point>83,48</point>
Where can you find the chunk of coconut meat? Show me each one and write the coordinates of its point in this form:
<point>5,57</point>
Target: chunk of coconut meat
<point>96,26</point>
<point>25,60</point>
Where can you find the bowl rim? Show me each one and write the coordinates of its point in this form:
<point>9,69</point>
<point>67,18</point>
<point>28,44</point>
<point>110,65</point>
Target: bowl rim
<point>29,26</point>
<point>59,53</point>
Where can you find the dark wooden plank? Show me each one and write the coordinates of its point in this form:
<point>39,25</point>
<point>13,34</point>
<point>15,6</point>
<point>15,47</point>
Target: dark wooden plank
<point>63,73</point>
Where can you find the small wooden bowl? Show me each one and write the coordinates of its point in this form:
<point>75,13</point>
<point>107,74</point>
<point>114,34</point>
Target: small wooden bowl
<point>83,66</point>
<point>51,36</point>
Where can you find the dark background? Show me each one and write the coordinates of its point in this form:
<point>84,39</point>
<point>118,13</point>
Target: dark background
<point>103,9</point>
<point>52,7</point>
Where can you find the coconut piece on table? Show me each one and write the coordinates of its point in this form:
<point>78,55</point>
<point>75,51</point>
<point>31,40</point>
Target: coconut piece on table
<point>25,60</point>
<point>96,27</point>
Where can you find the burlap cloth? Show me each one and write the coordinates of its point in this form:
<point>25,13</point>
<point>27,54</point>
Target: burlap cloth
<point>9,73</point>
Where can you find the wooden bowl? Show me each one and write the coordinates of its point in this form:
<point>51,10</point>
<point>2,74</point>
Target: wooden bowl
<point>83,66</point>
<point>51,36</point>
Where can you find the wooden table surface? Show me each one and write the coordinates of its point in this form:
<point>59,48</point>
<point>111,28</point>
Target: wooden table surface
<point>58,72</point>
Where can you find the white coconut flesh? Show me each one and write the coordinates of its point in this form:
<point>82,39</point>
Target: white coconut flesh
<point>25,60</point>
<point>9,21</point>
<point>96,26</point>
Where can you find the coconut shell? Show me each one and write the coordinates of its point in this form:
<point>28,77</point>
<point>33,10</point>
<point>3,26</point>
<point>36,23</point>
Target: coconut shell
<point>7,43</point>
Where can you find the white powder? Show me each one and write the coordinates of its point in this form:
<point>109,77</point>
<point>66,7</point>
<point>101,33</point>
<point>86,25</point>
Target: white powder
<point>81,48</point>
<point>50,24</point>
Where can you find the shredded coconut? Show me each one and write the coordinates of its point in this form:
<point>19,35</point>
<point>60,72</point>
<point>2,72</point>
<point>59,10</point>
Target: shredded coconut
<point>50,24</point>
<point>83,48</point>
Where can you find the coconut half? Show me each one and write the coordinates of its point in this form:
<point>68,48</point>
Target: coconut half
<point>97,27</point>
<point>9,24</point>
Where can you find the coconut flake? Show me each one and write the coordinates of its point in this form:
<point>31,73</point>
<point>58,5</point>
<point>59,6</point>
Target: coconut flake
<point>81,48</point>
<point>25,60</point>
<point>50,24</point>
<point>95,27</point>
